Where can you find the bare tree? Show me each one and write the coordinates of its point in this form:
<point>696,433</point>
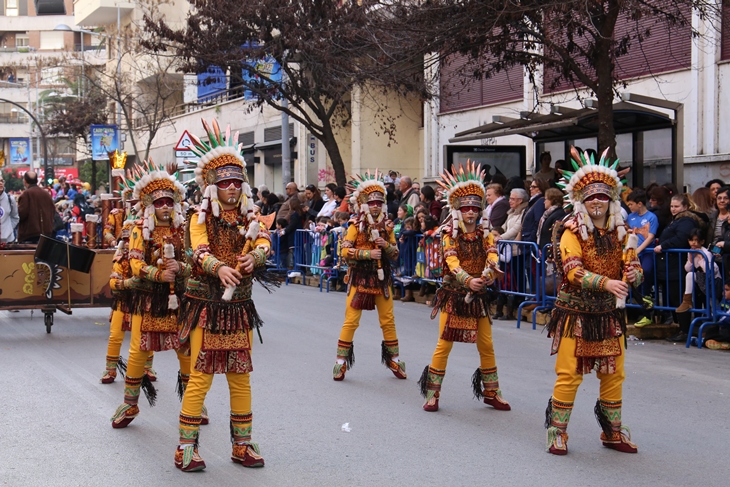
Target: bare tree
<point>321,46</point>
<point>581,42</point>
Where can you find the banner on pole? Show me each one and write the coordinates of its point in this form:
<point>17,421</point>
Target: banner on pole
<point>19,150</point>
<point>104,139</point>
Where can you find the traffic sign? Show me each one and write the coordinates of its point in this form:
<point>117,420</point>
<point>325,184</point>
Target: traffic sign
<point>181,148</point>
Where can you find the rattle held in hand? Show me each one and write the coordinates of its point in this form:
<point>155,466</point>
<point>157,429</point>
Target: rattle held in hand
<point>251,234</point>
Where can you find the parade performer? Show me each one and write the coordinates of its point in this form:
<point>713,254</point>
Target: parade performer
<point>587,327</point>
<point>157,257</point>
<point>368,247</point>
<point>464,298</point>
<point>122,282</point>
<point>218,315</point>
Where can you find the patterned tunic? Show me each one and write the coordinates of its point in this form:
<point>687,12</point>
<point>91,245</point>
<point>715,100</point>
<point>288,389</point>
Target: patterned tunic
<point>362,271</point>
<point>466,258</point>
<point>215,243</point>
<point>584,310</point>
<point>150,298</point>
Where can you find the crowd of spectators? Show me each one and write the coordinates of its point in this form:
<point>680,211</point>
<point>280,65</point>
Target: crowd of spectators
<point>517,210</point>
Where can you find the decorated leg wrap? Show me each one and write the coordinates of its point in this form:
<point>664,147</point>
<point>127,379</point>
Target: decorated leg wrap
<point>557,416</point>
<point>148,370</point>
<point>346,353</point>
<point>129,410</point>
<point>388,350</point>
<point>186,455</point>
<point>430,385</point>
<point>485,385</point>
<point>244,451</point>
<point>110,372</point>
<point>614,434</point>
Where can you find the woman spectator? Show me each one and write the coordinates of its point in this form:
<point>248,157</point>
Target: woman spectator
<point>518,199</point>
<point>668,267</point>
<point>714,186</point>
<point>553,212</point>
<point>314,202</point>
<point>720,222</point>
<point>704,202</point>
<point>270,204</point>
<point>534,211</point>
<point>428,198</point>
<point>296,222</point>
<point>329,208</point>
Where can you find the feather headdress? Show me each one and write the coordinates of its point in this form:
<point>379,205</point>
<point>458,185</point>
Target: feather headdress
<point>220,160</point>
<point>590,178</point>
<point>150,183</point>
<point>368,187</point>
<point>464,187</point>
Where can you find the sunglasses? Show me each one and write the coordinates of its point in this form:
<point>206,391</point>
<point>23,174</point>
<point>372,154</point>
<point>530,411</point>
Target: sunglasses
<point>598,197</point>
<point>375,203</point>
<point>226,184</point>
<point>470,209</point>
<point>164,202</point>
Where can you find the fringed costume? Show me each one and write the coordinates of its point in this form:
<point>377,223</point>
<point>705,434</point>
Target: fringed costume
<point>464,315</point>
<point>588,323</point>
<point>369,281</point>
<point>153,248</point>
<point>122,282</point>
<point>218,321</point>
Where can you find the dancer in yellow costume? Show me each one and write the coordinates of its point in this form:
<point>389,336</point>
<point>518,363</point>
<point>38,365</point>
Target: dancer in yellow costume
<point>122,283</point>
<point>157,258</point>
<point>218,315</point>
<point>588,323</point>
<point>368,248</point>
<point>464,298</point>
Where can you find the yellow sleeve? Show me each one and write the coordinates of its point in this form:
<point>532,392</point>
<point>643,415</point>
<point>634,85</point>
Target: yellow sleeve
<point>140,268</point>
<point>349,251</point>
<point>572,257</point>
<point>492,254</point>
<point>117,276</point>
<point>262,245</point>
<point>452,260</point>
<point>391,251</point>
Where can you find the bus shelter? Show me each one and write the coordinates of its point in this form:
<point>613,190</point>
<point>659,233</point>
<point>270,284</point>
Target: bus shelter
<point>646,140</point>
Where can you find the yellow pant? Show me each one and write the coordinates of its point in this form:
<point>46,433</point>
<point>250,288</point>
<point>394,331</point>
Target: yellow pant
<point>485,347</point>
<point>568,381</point>
<point>239,385</point>
<point>385,315</point>
<point>138,358</point>
<point>116,335</point>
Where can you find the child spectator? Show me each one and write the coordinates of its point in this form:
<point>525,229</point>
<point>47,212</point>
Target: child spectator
<point>696,269</point>
<point>645,225</point>
<point>404,211</point>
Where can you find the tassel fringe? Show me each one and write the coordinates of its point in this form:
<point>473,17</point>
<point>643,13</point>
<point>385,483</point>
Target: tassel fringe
<point>602,419</point>
<point>423,382</point>
<point>476,384</point>
<point>149,390</point>
<point>179,386</point>
<point>121,366</point>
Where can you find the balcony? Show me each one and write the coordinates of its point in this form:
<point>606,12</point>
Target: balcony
<point>8,130</point>
<point>100,12</point>
<point>24,23</point>
<point>28,56</point>
<point>16,92</point>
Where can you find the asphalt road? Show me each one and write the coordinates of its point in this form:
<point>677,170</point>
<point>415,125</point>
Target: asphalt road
<point>55,428</point>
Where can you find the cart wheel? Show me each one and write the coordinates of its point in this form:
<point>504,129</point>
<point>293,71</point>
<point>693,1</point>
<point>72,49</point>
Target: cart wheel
<point>48,320</point>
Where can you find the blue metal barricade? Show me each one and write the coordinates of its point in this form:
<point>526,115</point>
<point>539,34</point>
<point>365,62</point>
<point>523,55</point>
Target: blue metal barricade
<point>522,279</point>
<point>276,261</point>
<point>308,247</point>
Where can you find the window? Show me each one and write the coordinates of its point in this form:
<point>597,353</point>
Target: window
<point>11,8</point>
<point>51,40</point>
<point>21,40</point>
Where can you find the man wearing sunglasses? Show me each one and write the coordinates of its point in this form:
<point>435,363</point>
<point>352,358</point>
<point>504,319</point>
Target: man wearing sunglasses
<point>217,314</point>
<point>587,326</point>
<point>368,248</point>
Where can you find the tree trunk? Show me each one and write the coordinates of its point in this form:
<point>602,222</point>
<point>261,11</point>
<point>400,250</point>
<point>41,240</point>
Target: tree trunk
<point>333,150</point>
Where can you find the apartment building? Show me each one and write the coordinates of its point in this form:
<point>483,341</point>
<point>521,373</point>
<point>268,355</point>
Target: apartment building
<point>35,59</point>
<point>213,94</point>
<point>507,122</point>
